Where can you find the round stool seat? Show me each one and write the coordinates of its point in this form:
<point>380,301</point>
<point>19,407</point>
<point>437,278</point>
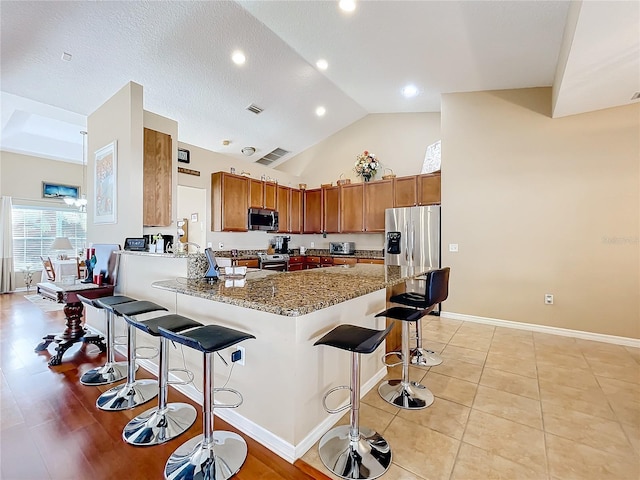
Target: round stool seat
<point>208,338</point>
<point>111,371</point>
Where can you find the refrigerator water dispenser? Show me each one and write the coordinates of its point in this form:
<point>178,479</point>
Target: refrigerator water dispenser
<point>393,243</point>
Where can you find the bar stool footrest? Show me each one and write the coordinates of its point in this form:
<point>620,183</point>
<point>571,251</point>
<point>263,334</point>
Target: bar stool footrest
<point>227,405</point>
<point>339,409</point>
<point>391,365</point>
<point>220,460</point>
<point>189,374</point>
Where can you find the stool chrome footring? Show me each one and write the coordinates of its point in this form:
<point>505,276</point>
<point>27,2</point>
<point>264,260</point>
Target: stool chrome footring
<point>368,457</point>
<point>108,373</point>
<point>155,426</point>
<point>195,460</point>
<point>411,395</point>
<point>128,395</point>
<point>425,358</point>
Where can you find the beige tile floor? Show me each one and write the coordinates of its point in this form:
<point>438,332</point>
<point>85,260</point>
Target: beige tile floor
<point>514,405</point>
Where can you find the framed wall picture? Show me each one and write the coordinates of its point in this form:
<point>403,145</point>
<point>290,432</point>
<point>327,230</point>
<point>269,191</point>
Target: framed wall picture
<point>183,155</point>
<point>106,184</point>
<point>55,190</point>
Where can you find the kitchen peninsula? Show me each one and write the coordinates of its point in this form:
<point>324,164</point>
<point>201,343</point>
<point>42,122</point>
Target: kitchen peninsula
<point>284,376</point>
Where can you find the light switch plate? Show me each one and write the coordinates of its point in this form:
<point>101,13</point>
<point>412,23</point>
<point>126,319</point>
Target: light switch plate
<point>453,247</point>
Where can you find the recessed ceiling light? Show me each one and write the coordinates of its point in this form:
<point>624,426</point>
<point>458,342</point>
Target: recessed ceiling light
<point>322,64</point>
<point>320,111</point>
<point>238,57</point>
<point>347,5</point>
<point>409,91</point>
<point>66,56</point>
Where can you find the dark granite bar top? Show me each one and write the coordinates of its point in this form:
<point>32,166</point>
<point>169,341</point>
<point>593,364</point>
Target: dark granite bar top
<point>295,293</point>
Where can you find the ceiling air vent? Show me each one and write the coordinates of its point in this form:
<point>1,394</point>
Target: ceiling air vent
<point>271,157</point>
<point>255,109</point>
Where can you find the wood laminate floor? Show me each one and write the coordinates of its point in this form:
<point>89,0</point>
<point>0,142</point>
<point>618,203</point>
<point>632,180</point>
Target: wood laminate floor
<point>50,427</point>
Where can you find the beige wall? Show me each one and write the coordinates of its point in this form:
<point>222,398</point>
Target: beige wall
<point>399,141</point>
<point>540,205</point>
<point>119,118</point>
<point>21,176</point>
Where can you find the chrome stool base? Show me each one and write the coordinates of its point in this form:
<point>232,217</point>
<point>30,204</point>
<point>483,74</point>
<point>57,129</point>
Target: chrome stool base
<point>154,427</point>
<point>108,373</point>
<point>425,358</point>
<point>411,396</point>
<point>369,457</point>
<point>127,396</point>
<point>220,461</point>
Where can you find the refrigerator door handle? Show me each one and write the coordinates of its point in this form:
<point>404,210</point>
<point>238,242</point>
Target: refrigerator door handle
<point>413,241</point>
<point>406,242</point>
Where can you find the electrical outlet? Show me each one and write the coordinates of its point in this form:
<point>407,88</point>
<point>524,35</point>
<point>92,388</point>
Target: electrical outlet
<point>220,245</point>
<point>238,355</point>
<point>453,247</point>
<point>313,244</point>
<point>548,299</point>
<point>209,244</point>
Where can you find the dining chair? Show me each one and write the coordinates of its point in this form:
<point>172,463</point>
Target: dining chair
<point>48,268</point>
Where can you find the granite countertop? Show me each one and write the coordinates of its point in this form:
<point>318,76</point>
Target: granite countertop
<point>295,293</point>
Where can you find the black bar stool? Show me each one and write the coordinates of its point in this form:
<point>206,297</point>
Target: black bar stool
<point>167,420</point>
<point>351,451</point>
<point>111,371</point>
<point>133,392</point>
<point>436,291</point>
<point>214,454</point>
<point>404,393</point>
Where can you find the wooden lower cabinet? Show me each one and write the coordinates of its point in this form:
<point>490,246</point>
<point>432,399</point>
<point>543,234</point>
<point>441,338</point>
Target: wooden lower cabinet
<point>345,260</point>
<point>296,262</point>
<point>311,261</point>
<point>248,262</point>
<point>374,261</point>
<point>326,261</point>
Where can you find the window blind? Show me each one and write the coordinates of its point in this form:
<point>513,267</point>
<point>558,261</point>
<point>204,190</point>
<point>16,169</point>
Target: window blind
<point>35,228</point>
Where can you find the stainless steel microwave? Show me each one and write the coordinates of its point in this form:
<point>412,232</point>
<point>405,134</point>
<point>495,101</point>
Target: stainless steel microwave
<point>262,219</point>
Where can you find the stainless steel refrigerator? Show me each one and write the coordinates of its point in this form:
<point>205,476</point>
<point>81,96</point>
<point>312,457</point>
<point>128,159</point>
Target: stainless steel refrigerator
<point>412,239</point>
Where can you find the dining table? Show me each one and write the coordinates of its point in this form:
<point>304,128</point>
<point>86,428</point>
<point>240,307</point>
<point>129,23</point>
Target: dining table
<point>74,331</point>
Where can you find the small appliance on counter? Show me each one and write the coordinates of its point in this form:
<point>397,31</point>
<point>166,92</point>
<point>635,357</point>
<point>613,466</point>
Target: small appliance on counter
<point>212,272</point>
<point>135,244</point>
<point>342,248</point>
<point>282,244</point>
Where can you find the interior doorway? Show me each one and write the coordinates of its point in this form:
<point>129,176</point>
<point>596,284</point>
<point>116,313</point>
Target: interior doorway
<point>192,207</point>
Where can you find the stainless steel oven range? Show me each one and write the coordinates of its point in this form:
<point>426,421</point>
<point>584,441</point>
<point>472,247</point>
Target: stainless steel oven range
<point>278,262</point>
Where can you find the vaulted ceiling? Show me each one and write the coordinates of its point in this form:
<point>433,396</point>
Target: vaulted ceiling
<point>181,53</point>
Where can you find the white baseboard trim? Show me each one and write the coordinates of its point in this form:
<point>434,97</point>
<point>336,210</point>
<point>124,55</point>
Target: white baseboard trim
<point>565,332</point>
<point>274,443</point>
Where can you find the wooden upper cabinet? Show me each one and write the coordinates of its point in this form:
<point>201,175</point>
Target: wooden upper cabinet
<point>351,208</point>
<point>378,196</point>
<point>312,211</point>
<point>429,189</point>
<point>331,204</point>
<point>229,202</point>
<point>405,191</point>
<point>157,176</point>
<point>262,194</point>
<point>270,195</point>
<point>295,217</point>
<point>283,206</point>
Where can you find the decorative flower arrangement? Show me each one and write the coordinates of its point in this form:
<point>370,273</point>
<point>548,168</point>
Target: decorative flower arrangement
<point>366,165</point>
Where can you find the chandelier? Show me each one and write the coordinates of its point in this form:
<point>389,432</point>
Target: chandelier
<point>80,203</point>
